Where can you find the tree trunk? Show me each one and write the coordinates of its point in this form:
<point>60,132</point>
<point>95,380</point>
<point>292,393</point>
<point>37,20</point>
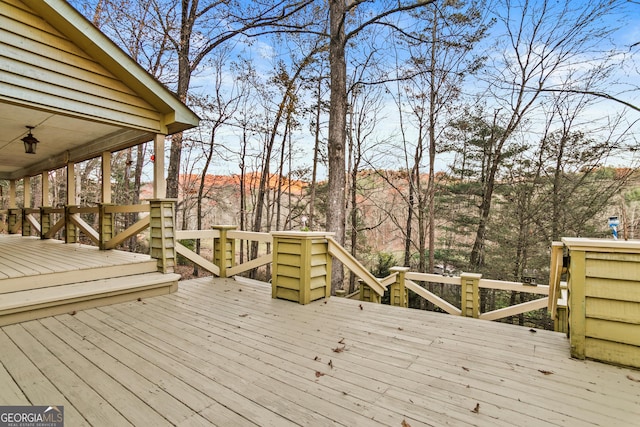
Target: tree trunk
<point>337,134</point>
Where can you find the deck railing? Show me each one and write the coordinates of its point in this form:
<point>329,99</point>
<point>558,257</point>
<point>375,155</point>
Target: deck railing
<point>72,222</point>
<point>227,261</point>
<point>224,241</point>
<point>224,263</point>
<point>46,222</point>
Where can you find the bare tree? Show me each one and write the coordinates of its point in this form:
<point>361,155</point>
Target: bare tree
<point>544,41</point>
<point>340,36</point>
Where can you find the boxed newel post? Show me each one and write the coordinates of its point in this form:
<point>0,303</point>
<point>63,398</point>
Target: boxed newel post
<point>45,221</point>
<point>398,293</point>
<point>367,294</point>
<point>162,236</point>
<point>26,225</point>
<point>14,220</point>
<point>70,229</point>
<point>224,249</point>
<point>301,266</point>
<point>604,300</point>
<point>470,294</point>
<point>106,224</point>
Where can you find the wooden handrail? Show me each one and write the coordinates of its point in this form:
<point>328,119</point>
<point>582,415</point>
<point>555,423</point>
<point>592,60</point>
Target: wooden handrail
<point>85,228</point>
<point>33,222</point>
<point>132,230</point>
<point>54,228</point>
<point>197,234</point>
<point>127,208</point>
<point>514,309</point>
<point>340,253</point>
<point>250,265</point>
<point>250,235</point>
<point>230,234</point>
<point>432,298</point>
<point>83,209</point>
<point>197,259</point>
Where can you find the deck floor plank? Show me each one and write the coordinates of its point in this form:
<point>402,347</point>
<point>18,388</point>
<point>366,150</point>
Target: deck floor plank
<point>65,347</point>
<point>136,374</point>
<point>251,366</point>
<point>35,386</point>
<point>585,388</point>
<point>20,256</point>
<point>219,352</point>
<point>378,372</point>
<point>207,379</point>
<point>10,391</point>
<point>302,354</point>
<point>95,409</point>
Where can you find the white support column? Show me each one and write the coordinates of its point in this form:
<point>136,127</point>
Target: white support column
<point>45,188</point>
<point>12,194</point>
<point>26,184</point>
<point>159,180</point>
<point>71,183</point>
<point>106,177</point>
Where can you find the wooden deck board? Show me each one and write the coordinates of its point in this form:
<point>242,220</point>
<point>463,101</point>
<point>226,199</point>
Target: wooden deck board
<point>31,263</point>
<point>84,398</point>
<point>222,353</point>
<point>378,371</point>
<point>23,256</point>
<point>34,385</point>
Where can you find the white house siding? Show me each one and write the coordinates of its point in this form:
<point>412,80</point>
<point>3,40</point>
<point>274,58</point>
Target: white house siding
<point>41,68</point>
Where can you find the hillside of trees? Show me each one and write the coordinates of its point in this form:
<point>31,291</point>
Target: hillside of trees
<point>520,229</point>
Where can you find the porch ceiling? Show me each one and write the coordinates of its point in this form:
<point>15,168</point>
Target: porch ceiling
<point>62,138</point>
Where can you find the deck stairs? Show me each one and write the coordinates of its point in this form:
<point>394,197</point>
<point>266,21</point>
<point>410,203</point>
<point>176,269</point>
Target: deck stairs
<point>53,293</point>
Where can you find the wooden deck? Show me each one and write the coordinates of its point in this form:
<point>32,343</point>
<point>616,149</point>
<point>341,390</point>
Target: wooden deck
<point>220,352</point>
<point>46,277</point>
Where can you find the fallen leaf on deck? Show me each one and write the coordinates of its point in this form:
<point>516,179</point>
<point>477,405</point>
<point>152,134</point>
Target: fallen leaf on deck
<point>405,424</point>
<point>400,329</point>
<point>338,349</point>
<point>533,331</point>
<point>633,379</point>
<point>330,363</point>
<point>476,409</point>
<point>341,341</point>
<point>319,374</point>
<point>545,372</point>
<point>465,368</point>
<point>73,313</point>
<point>243,315</point>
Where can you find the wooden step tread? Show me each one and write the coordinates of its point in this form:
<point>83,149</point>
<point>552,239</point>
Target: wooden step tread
<point>54,279</point>
<point>34,298</point>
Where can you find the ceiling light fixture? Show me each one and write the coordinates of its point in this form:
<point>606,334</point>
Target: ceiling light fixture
<point>30,142</point>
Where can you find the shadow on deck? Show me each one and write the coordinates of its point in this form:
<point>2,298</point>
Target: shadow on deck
<point>221,352</point>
